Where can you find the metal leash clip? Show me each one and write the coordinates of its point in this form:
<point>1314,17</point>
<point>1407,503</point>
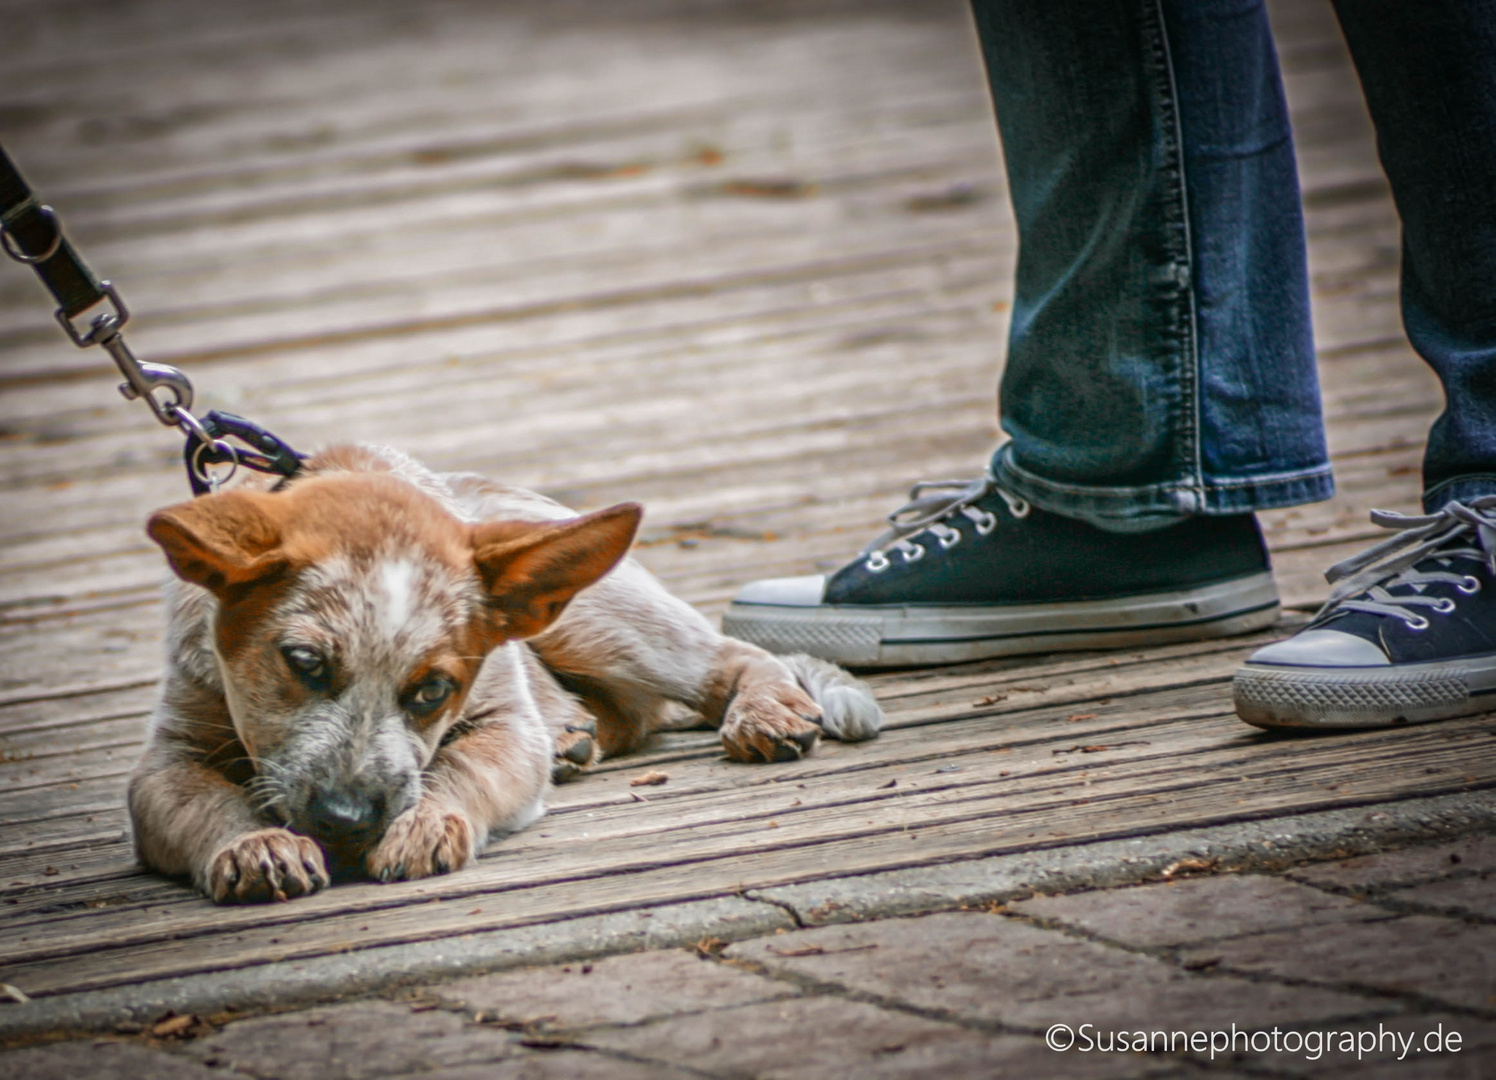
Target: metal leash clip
<point>31,233</point>
<point>207,443</point>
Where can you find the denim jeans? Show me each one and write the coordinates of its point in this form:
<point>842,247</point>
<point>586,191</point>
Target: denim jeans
<point>1160,358</point>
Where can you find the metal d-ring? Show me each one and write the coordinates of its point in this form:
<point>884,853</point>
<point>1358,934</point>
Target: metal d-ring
<point>13,249</point>
<point>200,471</point>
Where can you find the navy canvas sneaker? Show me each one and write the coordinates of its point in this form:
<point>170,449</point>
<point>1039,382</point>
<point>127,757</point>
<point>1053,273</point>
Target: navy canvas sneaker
<point>968,570</point>
<point>1408,634</point>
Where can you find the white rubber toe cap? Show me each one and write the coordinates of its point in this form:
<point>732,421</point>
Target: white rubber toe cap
<point>1321,648</point>
<point>785,591</point>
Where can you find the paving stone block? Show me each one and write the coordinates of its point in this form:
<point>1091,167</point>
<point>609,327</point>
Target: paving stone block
<point>1409,866</point>
<point>1197,909</point>
<point>1446,959</point>
<point>821,1037</point>
<point>349,1042</point>
<point>990,968</point>
<point>561,1065</point>
<point>616,990</point>
<point>99,1060</point>
<point>1476,895</point>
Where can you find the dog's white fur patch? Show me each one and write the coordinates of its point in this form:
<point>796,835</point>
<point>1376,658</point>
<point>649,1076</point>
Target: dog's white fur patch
<point>522,691</point>
<point>849,710</point>
<point>396,581</point>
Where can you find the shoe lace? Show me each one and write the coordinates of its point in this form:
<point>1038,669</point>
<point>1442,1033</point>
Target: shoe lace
<point>1361,582</point>
<point>931,504</point>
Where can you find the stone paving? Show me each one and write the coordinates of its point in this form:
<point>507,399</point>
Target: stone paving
<point>1377,966</point>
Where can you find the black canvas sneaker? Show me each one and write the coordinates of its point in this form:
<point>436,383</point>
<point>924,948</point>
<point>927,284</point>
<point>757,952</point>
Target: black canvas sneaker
<point>968,570</point>
<point>1408,635</point>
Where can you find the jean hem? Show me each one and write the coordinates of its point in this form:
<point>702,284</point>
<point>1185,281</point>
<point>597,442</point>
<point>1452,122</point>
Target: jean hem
<point>1458,489</point>
<point>1213,496</point>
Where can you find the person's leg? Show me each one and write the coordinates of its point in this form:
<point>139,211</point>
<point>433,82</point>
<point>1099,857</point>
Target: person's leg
<point>1429,73</point>
<point>1410,632</point>
<point>1160,360</point>
<point>1160,372</point>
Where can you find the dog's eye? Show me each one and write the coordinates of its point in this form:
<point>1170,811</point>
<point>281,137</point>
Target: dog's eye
<point>428,696</point>
<point>308,663</point>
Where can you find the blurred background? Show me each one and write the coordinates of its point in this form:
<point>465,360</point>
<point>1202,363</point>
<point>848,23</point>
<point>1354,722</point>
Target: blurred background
<point>747,262</point>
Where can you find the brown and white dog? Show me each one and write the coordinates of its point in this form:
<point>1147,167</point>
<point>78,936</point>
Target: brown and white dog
<point>369,671</point>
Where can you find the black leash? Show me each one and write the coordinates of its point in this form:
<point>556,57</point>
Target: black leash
<point>31,233</point>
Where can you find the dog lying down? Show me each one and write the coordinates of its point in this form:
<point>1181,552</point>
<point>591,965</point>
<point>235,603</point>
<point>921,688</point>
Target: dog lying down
<point>375,668</point>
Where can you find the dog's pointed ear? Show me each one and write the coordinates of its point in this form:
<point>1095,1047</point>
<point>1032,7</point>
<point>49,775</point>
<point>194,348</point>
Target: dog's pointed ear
<point>219,541</point>
<point>532,570</point>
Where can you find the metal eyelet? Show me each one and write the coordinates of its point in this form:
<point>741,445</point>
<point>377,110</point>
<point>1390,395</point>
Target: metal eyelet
<point>13,249</point>
<point>1020,508</point>
<point>986,523</point>
<point>913,553</point>
<point>1444,606</point>
<point>1417,622</point>
<point>949,539</point>
<point>1469,585</point>
<point>877,562</point>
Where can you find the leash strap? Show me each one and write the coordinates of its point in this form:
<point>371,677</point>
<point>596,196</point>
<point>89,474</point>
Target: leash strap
<point>31,233</point>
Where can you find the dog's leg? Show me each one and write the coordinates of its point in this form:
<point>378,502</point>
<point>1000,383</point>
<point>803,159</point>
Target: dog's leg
<point>491,776</point>
<point>627,646</point>
<point>573,726</point>
<point>191,819</point>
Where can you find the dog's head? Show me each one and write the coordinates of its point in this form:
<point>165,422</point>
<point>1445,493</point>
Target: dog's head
<point>354,612</point>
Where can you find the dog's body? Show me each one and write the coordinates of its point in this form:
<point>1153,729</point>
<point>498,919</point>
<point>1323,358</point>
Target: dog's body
<point>372,666</point>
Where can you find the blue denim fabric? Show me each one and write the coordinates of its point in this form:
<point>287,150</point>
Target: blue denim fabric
<point>1429,73</point>
<point>1160,359</point>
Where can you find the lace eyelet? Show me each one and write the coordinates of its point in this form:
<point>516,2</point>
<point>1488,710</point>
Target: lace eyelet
<point>986,523</point>
<point>951,539</point>
<point>1417,622</point>
<point>877,562</point>
<point>914,553</point>
<point>1444,606</point>
<point>1469,585</point>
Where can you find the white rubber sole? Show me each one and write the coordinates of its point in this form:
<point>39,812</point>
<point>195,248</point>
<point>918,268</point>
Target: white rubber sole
<point>898,635</point>
<point>1284,696</point>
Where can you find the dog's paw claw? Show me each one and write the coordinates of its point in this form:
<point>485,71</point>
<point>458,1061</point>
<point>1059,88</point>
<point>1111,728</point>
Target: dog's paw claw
<point>576,748</point>
<point>787,751</point>
<point>265,865</point>
<point>580,752</point>
<point>421,842</point>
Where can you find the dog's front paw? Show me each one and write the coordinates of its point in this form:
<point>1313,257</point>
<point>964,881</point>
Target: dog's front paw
<point>268,864</point>
<point>772,721</point>
<point>421,842</point>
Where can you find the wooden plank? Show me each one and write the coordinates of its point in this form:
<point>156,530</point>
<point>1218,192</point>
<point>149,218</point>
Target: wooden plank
<point>510,276</point>
<point>1015,759</point>
<point>939,833</point>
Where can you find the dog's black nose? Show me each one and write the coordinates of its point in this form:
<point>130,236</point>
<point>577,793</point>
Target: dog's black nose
<point>341,815</point>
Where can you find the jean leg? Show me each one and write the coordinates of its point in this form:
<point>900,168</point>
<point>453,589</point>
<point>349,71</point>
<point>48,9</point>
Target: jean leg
<point>1429,72</point>
<point>1160,360</point>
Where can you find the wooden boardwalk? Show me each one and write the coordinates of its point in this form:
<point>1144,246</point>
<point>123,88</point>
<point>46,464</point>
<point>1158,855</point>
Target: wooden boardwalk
<point>749,263</point>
